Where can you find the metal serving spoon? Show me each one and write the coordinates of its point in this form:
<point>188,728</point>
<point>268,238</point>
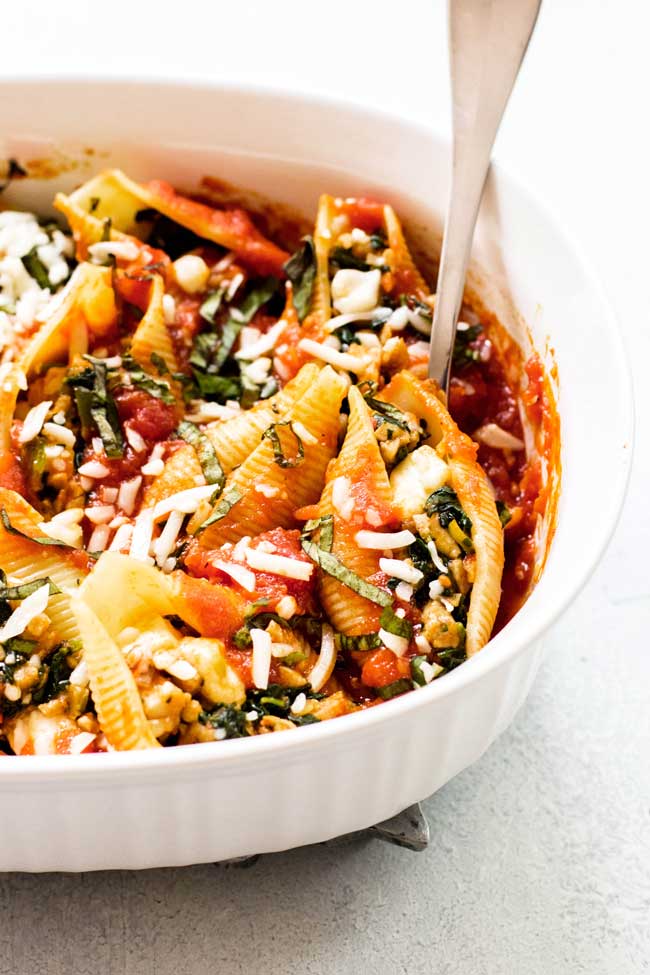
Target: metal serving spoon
<point>487,43</point>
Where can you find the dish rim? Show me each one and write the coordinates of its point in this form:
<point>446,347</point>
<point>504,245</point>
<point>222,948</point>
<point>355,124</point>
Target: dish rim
<point>502,647</point>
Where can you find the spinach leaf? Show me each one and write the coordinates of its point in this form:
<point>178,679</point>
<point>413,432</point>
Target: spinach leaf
<point>340,259</point>
<point>444,502</point>
<point>504,513</point>
<point>463,352</point>
<point>301,271</point>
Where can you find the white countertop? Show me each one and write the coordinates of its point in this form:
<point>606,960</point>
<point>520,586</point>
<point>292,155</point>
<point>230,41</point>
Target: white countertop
<point>540,857</point>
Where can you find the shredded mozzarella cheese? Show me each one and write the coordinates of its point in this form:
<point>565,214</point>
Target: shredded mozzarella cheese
<point>279,565</point>
<point>384,540</point>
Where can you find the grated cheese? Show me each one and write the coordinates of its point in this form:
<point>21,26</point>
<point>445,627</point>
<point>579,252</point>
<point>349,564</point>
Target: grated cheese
<point>128,493</point>
<point>93,469</point>
<point>29,609</point>
<point>242,576</point>
<point>80,742</point>
<point>169,309</point>
<point>422,643</point>
<point>401,570</point>
<point>383,540</point>
<point>279,565</point>
<point>361,316</point>
<point>342,499</point>
<point>265,343</point>
<point>435,589</point>
<point>134,439</point>
<point>100,514</point>
<point>355,291</point>
<point>125,250</point>
<point>435,557</point>
<point>165,544</point>
<point>34,421</point>
<point>186,501</point>
<point>322,669</point>
<point>493,435</point>
<point>404,591</point>
<point>261,657</point>
<point>299,704</point>
<point>98,541</point>
<point>122,538</point>
<point>398,644</point>
<point>142,535</point>
<point>341,360</point>
<point>286,607</point>
<point>59,434</point>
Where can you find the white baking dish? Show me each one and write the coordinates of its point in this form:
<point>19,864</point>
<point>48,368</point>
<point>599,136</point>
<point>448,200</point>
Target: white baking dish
<point>208,802</point>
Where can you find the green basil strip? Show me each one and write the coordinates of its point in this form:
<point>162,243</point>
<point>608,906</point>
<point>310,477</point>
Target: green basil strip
<point>228,501</point>
<point>301,271</point>
<point>95,403</point>
<point>388,412</point>
<point>416,670</point>
<point>159,364</point>
<point>392,690</point>
<point>27,588</point>
<point>365,641</point>
<point>211,305</point>
<point>158,388</point>
<point>330,564</point>
<point>36,269</point>
<point>212,469</point>
<point>326,534</point>
<point>41,540</point>
<point>280,458</point>
<point>392,623</point>
<point>504,513</point>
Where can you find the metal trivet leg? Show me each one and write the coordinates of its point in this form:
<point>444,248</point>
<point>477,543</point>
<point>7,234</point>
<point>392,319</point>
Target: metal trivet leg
<point>409,829</point>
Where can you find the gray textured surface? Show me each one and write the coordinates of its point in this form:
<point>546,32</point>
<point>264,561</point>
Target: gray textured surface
<point>538,865</point>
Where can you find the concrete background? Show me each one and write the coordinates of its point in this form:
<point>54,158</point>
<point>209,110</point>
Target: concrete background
<point>540,855</point>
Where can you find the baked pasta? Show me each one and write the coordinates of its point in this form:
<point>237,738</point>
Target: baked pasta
<point>230,501</point>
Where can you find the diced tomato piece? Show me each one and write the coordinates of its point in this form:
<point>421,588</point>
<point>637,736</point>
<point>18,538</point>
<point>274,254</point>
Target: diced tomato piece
<point>213,610</point>
<point>148,415</point>
<point>380,669</point>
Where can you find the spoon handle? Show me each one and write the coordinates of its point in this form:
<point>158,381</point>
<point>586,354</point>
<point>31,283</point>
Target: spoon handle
<point>487,43</point>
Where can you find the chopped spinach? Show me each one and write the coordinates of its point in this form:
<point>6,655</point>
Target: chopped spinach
<point>504,513</point>
<point>444,502</point>
<point>36,269</point>
<point>464,353</point>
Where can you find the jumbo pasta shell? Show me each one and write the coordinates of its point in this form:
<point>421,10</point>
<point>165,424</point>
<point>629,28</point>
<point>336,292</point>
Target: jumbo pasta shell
<point>152,336</point>
<point>317,413</point>
<point>360,461</point>
<point>24,561</point>
<point>115,694</point>
<point>471,485</point>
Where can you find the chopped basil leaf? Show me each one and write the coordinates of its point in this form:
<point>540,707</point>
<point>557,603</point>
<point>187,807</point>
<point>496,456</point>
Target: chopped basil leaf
<point>40,540</point>
<point>365,641</point>
<point>96,405</point>
<point>330,564</point>
<point>36,269</point>
<point>221,509</point>
<point>27,588</point>
<point>444,502</point>
<point>341,258</point>
<point>504,513</point>
<point>301,271</point>
<point>387,413</point>
<point>416,670</point>
<point>392,690</point>
<point>392,623</point>
<point>158,388</point>
<point>279,456</point>
<point>212,469</point>
<point>159,364</point>
<point>211,305</point>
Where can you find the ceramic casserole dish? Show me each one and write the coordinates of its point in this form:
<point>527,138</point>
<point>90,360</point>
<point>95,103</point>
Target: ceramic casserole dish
<point>180,805</point>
